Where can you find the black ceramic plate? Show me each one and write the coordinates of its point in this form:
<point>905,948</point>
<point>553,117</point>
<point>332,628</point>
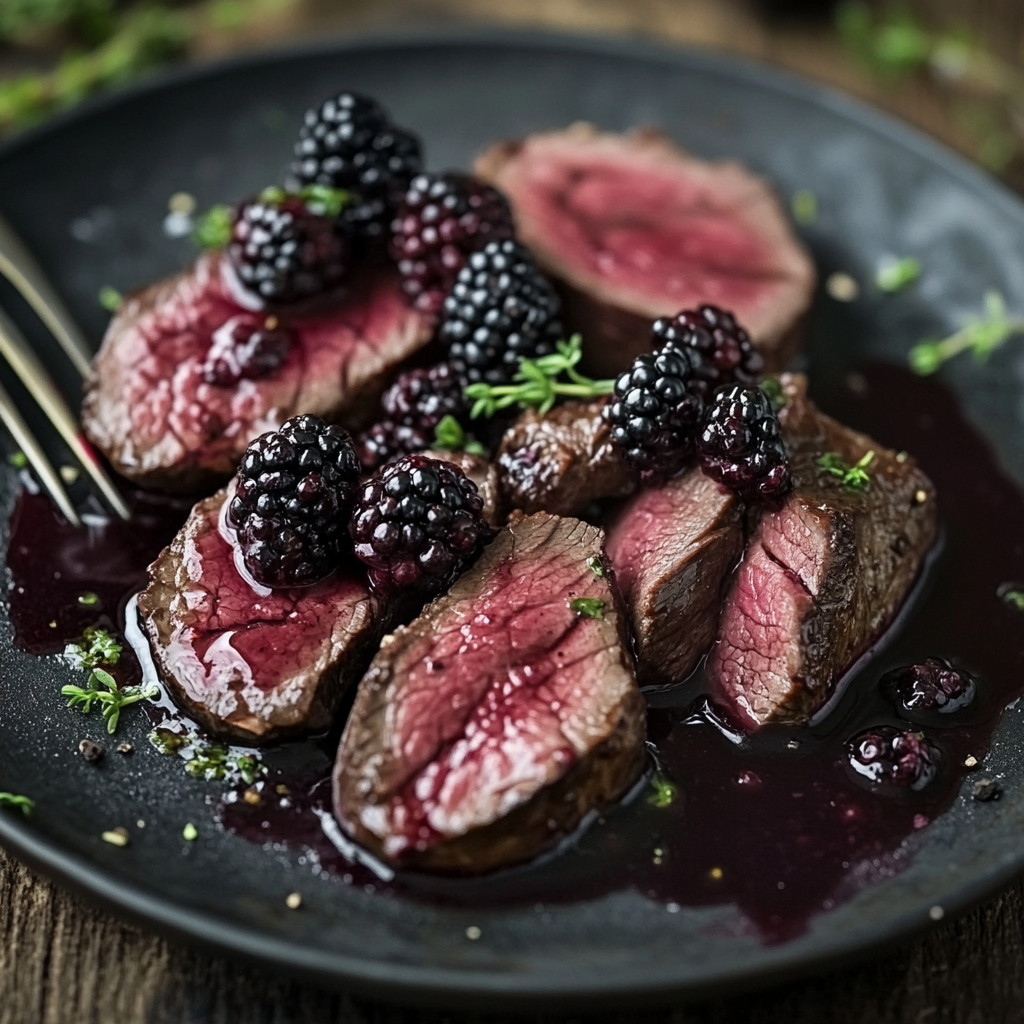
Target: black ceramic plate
<point>88,193</point>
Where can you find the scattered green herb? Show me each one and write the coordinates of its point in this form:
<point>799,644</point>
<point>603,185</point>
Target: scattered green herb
<point>773,389</point>
<point>982,336</point>
<point>88,599</point>
<point>1013,596</point>
<point>213,228</point>
<point>190,833</point>
<point>96,648</point>
<point>168,742</point>
<point>665,791</point>
<point>102,687</point>
<point>205,760</point>
<point>19,460</point>
<point>538,386</point>
<point>853,478</point>
<point>890,45</point>
<point>591,607</point>
<point>595,565</point>
<point>110,298</point>
<point>323,200</point>
<point>21,803</point>
<point>893,275</point>
<point>804,205</point>
<point>450,437</point>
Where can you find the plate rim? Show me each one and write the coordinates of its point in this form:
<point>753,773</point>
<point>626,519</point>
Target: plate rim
<point>447,987</point>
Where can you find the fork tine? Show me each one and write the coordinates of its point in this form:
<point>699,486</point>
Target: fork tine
<point>25,363</point>
<point>25,440</point>
<point>18,266</point>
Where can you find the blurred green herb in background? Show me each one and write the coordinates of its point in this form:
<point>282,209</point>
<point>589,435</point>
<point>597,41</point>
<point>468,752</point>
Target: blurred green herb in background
<point>102,43</point>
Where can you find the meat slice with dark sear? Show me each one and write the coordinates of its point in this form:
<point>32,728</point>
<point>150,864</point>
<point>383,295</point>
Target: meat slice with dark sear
<point>634,229</point>
<point>500,718</point>
<point>150,409</point>
<point>251,664</point>
<point>673,549</point>
<point>562,461</point>
<point>482,473</point>
<point>824,574</point>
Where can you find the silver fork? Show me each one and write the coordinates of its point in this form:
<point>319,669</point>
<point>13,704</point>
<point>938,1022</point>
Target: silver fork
<point>18,266</point>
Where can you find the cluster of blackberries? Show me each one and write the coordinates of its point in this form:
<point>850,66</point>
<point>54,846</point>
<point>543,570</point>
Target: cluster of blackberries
<point>297,510</point>
<point>697,394</point>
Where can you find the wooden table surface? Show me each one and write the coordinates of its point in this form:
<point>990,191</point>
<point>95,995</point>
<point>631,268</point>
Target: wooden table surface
<point>62,961</point>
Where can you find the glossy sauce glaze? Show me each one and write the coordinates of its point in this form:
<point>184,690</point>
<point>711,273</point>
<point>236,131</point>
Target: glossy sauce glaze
<point>778,824</point>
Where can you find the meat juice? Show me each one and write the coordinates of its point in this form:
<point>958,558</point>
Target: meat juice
<point>776,823</point>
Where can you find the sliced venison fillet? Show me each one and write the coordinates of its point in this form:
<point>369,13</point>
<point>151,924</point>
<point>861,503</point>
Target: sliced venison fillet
<point>495,722</point>
<point>673,549</point>
<point>149,409</point>
<point>562,460</point>
<point>249,664</point>
<point>824,574</point>
<point>636,229</point>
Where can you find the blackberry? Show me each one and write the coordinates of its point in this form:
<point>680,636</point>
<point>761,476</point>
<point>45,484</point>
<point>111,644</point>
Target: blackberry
<point>418,524</point>
<point>500,309</point>
<point>284,253</point>
<point>932,687</point>
<point>727,356</point>
<point>656,409</point>
<point>413,406</point>
<point>740,445</point>
<point>295,488</point>
<point>440,221</point>
<point>246,347</point>
<point>349,142</point>
<point>886,756</point>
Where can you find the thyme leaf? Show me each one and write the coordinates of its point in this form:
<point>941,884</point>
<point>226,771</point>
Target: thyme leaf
<point>450,437</point>
<point>853,478</point>
<point>665,791</point>
<point>804,205</point>
<point>1013,595</point>
<point>773,389</point>
<point>591,607</point>
<point>212,762</point>
<point>981,335</point>
<point>537,385</point>
<point>110,298</point>
<point>595,565</point>
<point>894,275</point>
<point>22,803</point>
<point>213,228</point>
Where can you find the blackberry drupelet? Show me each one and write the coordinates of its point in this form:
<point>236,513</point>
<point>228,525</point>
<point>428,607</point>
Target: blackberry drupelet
<point>655,411</point>
<point>727,355</point>
<point>349,142</point>
<point>283,253</point>
<point>740,445</point>
<point>500,309</point>
<point>887,756</point>
<point>440,221</point>
<point>932,687</point>
<point>246,347</point>
<point>413,407</point>
<point>417,524</point>
<point>295,489</point>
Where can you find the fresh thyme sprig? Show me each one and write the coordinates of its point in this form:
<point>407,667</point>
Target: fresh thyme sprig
<point>213,229</point>
<point>853,478</point>
<point>102,687</point>
<point>450,437</point>
<point>982,336</point>
<point>894,275</point>
<point>22,803</point>
<point>537,384</point>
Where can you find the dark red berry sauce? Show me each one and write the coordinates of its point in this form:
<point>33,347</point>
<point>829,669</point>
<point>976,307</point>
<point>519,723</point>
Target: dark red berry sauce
<point>779,824</point>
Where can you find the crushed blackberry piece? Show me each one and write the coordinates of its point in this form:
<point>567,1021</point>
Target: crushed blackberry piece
<point>931,687</point>
<point>501,309</point>
<point>294,491</point>
<point>284,253</point>
<point>413,407</point>
<point>246,348</point>
<point>889,757</point>
<point>349,142</point>
<point>655,411</point>
<point>727,355</point>
<point>740,444</point>
<point>440,221</point>
<point>417,525</point>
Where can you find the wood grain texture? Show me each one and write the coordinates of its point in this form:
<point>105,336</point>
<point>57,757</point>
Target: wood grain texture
<point>62,961</point>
